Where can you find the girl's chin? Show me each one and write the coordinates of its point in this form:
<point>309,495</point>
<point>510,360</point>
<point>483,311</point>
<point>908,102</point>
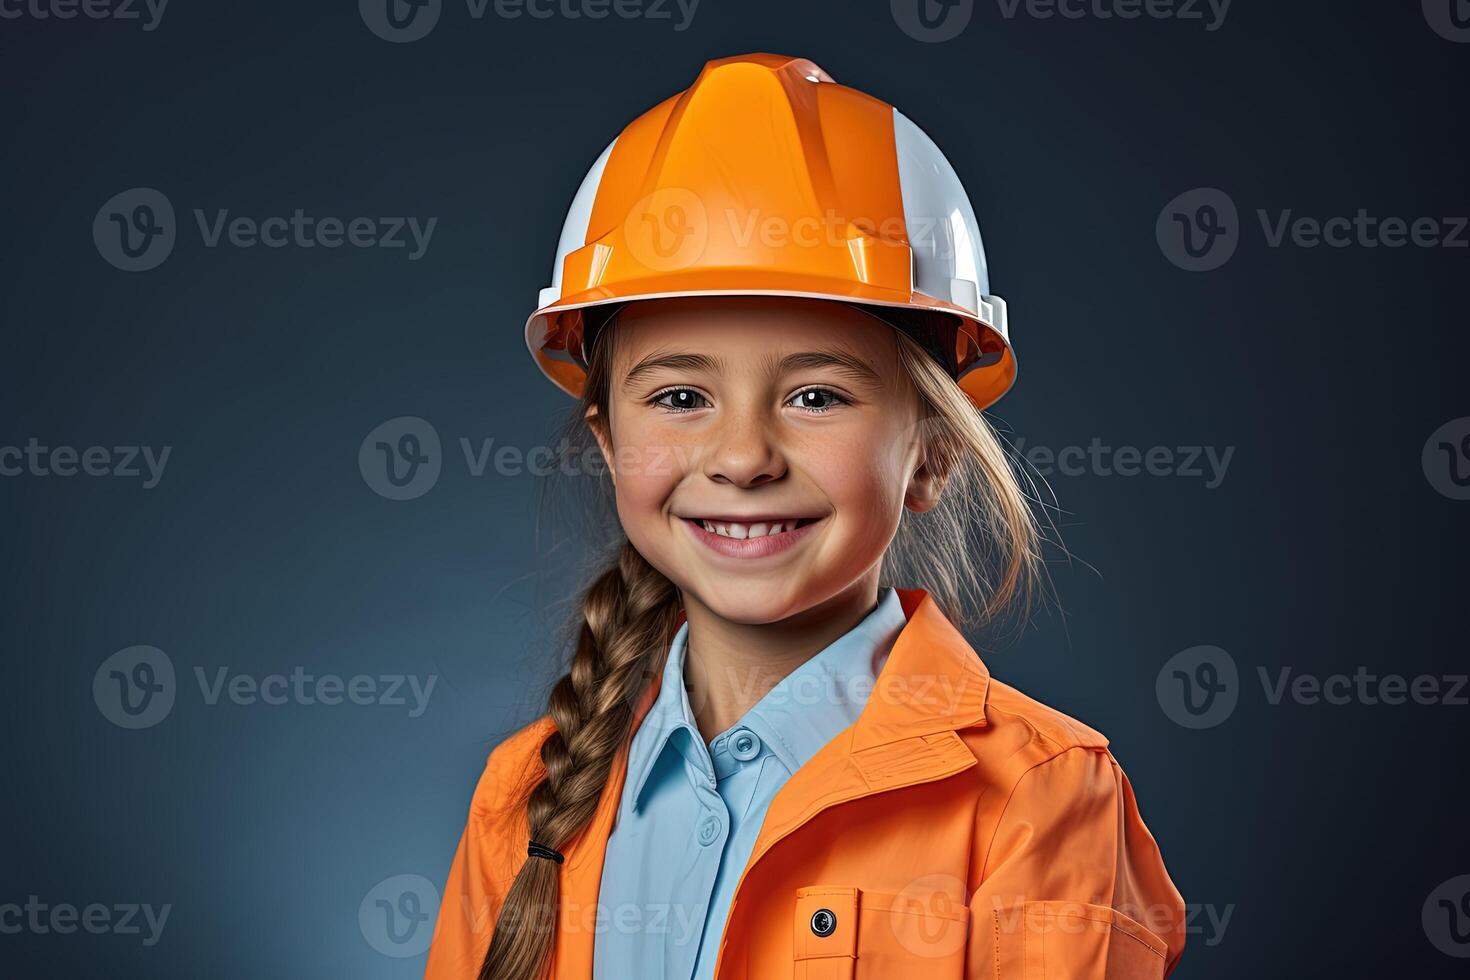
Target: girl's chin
<point>754,603</point>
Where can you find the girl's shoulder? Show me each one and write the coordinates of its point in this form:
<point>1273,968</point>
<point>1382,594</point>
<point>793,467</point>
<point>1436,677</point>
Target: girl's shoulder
<point>1021,733</point>
<point>513,768</point>
<point>1007,707</point>
<point>1041,764</point>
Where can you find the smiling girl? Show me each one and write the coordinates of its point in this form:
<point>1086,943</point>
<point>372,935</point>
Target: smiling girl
<point>764,760</point>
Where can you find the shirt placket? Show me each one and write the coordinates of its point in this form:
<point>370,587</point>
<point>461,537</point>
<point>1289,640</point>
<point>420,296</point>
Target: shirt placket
<point>708,830</point>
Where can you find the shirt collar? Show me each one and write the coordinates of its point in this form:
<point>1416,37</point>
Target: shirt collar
<point>795,718</point>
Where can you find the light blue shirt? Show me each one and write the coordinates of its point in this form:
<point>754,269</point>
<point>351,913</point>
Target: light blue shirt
<point>690,812</point>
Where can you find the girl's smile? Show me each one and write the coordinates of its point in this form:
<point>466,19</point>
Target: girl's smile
<point>753,537</point>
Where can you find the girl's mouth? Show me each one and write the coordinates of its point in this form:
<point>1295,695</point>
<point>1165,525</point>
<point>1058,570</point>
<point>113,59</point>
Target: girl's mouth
<point>750,538</point>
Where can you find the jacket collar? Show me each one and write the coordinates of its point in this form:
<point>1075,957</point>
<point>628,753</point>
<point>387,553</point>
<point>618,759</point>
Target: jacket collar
<point>932,685</point>
<point>933,680</point>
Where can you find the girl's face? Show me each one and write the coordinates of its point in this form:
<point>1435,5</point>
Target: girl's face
<point>762,449</point>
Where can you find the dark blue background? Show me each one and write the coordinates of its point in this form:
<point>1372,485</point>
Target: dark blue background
<point>1322,829</point>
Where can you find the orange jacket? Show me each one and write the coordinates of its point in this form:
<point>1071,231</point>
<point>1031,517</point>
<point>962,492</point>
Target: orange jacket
<point>958,829</point>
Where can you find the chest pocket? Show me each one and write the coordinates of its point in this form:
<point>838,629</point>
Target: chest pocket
<point>1070,941</point>
<point>853,934</point>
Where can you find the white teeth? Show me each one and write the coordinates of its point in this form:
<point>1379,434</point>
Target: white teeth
<point>730,529</point>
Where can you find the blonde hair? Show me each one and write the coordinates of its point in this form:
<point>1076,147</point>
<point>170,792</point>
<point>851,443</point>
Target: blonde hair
<point>977,552</point>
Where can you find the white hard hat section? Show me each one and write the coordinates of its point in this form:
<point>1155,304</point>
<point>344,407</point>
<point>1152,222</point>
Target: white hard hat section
<point>949,259</point>
<point>574,231</point>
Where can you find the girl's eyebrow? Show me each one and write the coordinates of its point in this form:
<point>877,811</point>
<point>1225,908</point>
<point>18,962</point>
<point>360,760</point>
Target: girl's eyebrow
<point>676,362</point>
<point>840,360</point>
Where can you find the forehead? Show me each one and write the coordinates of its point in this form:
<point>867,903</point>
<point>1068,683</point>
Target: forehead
<point>736,329</point>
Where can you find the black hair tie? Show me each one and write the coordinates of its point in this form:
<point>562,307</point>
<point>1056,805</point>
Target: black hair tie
<point>542,851</point>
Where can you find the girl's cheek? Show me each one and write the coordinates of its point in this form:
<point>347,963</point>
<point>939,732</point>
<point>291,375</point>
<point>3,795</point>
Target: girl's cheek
<point>858,469</point>
<point>650,462</point>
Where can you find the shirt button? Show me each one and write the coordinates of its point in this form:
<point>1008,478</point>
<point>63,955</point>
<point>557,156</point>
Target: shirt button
<point>744,744</point>
<point>709,829</point>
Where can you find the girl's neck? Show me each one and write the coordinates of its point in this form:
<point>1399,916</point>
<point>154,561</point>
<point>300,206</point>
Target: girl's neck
<point>730,666</point>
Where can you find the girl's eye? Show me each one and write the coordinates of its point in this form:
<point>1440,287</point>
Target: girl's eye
<point>816,399</point>
<point>687,399</point>
<point>680,399</point>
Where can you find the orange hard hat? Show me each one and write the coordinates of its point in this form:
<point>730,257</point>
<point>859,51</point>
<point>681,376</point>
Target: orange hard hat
<point>767,178</point>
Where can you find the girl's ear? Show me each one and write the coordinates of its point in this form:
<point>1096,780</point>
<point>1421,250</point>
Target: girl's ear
<point>598,425</point>
<point>926,485</point>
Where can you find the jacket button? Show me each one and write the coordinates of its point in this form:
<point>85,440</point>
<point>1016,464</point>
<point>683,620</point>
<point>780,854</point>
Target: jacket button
<point>744,744</point>
<point>709,829</point>
<point>824,922</point>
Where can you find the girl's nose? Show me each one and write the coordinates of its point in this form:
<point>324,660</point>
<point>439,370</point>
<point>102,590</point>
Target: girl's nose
<point>745,453</point>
